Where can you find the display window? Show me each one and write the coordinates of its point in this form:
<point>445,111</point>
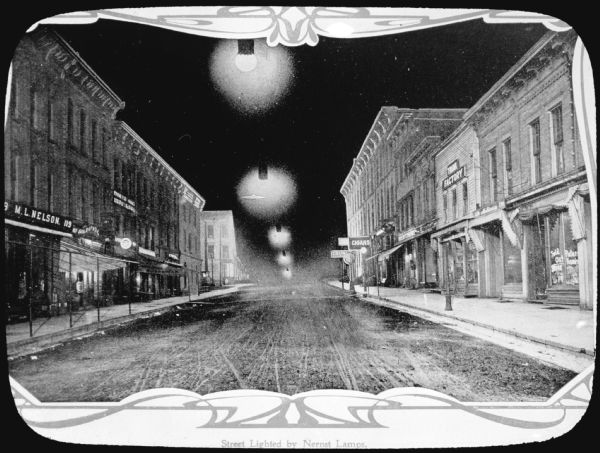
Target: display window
<point>512,262</point>
<point>564,263</point>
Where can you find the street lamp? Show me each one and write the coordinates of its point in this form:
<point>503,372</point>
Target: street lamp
<point>363,251</point>
<point>245,60</point>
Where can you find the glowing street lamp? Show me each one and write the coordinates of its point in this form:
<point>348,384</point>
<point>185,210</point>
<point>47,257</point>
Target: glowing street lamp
<point>245,60</point>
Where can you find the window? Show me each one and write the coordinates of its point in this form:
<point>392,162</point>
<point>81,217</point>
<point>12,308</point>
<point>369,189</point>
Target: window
<point>70,121</point>
<point>71,192</point>
<point>225,252</point>
<point>211,251</point>
<point>512,262</point>
<point>152,234</point>
<point>83,188</point>
<point>35,185</point>
<point>224,231</point>
<point>15,97</point>
<point>35,110</point>
<point>51,118</point>
<point>94,141</point>
<point>103,146</point>
<point>189,246</point>
<point>564,263</point>
<point>536,150</point>
<point>557,138</point>
<point>508,165</point>
<point>210,231</point>
<point>454,204</point>
<point>50,192</point>
<point>116,175</point>
<point>493,175</point>
<point>445,203</point>
<point>82,131</point>
<point>465,200</point>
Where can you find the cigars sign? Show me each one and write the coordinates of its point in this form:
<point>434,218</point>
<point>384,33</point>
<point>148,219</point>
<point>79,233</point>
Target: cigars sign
<point>38,217</point>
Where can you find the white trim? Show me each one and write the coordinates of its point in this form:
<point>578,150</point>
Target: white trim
<point>37,228</point>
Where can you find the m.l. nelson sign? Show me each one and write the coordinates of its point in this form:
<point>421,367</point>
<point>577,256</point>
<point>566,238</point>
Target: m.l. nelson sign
<point>39,217</point>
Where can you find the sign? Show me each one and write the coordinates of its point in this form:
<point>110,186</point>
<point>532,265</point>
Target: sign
<point>173,257</point>
<point>338,253</point>
<point>124,202</point>
<point>79,287</point>
<point>455,174</point>
<point>343,242</point>
<point>125,243</point>
<point>39,217</point>
<point>349,258</point>
<point>144,251</point>
<point>357,243</point>
<point>86,231</point>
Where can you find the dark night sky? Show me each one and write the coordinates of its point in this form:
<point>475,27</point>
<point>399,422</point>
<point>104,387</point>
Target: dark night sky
<point>339,86</point>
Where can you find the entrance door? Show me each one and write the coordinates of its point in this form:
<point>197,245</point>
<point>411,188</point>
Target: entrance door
<point>536,259</point>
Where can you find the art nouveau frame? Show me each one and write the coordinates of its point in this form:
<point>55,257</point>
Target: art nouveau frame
<point>401,417</point>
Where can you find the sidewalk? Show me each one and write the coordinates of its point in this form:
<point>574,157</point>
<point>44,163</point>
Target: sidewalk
<point>567,328</point>
<point>49,331</point>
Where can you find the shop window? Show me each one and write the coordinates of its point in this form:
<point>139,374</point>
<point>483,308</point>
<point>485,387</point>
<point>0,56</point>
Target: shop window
<point>493,169</point>
<point>506,145</point>
<point>557,139</point>
<point>472,264</point>
<point>458,252</point>
<point>512,262</point>
<point>564,263</point>
<point>536,150</point>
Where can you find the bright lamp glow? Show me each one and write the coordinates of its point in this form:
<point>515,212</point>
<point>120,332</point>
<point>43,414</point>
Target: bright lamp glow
<point>246,63</point>
<point>267,198</point>
<point>280,239</point>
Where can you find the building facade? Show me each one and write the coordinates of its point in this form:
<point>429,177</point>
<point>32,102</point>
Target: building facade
<point>190,240</point>
<point>389,194</point>
<point>91,211</point>
<point>535,217</point>
<point>218,247</point>
<point>461,268</point>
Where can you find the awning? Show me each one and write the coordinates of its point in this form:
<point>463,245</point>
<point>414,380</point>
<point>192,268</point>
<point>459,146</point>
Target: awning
<point>77,259</point>
<point>385,253</point>
<point>458,227</point>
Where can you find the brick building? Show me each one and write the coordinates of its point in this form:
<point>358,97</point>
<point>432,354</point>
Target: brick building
<point>91,211</point>
<point>190,243</point>
<point>535,211</point>
<point>394,170</point>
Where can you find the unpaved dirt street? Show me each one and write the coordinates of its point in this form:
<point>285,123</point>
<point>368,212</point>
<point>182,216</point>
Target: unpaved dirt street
<point>285,339</point>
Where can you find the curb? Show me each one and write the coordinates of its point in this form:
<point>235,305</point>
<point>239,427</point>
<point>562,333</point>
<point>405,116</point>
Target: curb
<point>523,336</point>
<point>19,348</point>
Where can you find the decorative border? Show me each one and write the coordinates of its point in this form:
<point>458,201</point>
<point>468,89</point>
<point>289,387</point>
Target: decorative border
<point>404,417</point>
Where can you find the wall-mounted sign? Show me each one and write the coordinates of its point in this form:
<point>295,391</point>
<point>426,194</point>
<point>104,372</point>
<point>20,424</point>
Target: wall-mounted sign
<point>124,202</point>
<point>87,231</point>
<point>357,243</point>
<point>144,251</point>
<point>343,242</point>
<point>196,201</point>
<point>34,216</point>
<point>455,174</point>
<point>338,253</point>
<point>126,243</point>
<point>173,257</point>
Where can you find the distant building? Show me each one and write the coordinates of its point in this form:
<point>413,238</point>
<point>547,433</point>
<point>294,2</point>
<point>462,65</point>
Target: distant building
<point>190,240</point>
<point>219,250</point>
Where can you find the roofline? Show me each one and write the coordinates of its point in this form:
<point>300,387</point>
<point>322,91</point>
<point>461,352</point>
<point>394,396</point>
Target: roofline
<point>539,45</point>
<point>154,154</point>
<point>87,67</point>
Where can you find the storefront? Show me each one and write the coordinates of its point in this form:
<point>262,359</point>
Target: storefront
<point>32,240</point>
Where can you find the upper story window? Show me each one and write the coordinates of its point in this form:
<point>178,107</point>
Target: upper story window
<point>70,122</point>
<point>51,118</point>
<point>445,206</point>
<point>94,140</point>
<point>454,204</point>
<point>536,150</point>
<point>210,231</point>
<point>36,109</point>
<point>224,231</point>
<point>507,147</point>
<point>225,252</point>
<point>493,170</point>
<point>557,139</point>
<point>465,196</point>
<point>103,149</point>
<point>82,130</point>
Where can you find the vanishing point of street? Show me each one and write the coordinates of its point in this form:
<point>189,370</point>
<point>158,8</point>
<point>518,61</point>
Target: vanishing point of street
<point>286,339</point>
